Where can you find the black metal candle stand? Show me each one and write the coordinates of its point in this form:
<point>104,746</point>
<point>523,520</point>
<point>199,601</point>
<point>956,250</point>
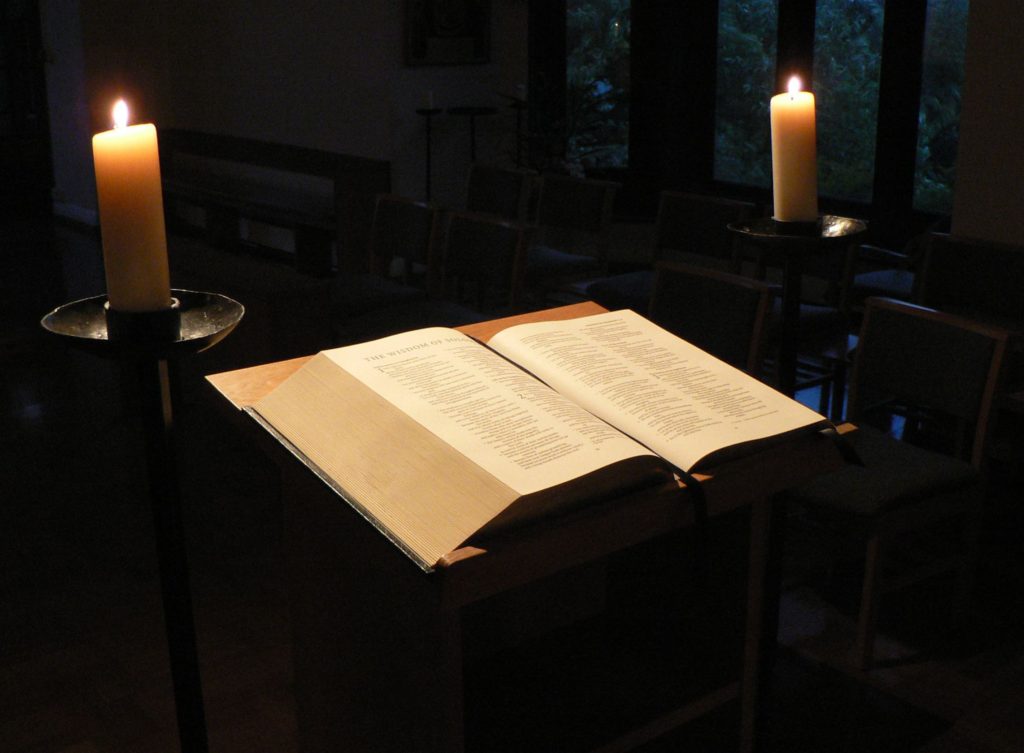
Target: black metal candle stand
<point>148,343</point>
<point>794,241</point>
<point>428,113</point>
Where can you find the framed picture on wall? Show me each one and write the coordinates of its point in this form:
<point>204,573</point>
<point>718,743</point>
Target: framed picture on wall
<point>447,32</point>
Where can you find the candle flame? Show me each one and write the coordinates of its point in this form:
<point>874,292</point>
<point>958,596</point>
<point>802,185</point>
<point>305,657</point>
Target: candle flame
<point>120,114</point>
<point>794,84</point>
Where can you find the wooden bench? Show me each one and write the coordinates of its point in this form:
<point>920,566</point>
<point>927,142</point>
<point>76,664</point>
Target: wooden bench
<point>322,197</point>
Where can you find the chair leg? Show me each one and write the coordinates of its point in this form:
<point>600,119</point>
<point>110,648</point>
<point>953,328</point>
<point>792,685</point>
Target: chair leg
<point>966,573</point>
<point>865,646</point>
<point>838,392</point>
<point>823,397</point>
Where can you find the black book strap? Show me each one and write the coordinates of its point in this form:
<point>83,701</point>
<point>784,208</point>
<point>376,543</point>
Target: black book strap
<point>846,450</point>
<point>696,497</point>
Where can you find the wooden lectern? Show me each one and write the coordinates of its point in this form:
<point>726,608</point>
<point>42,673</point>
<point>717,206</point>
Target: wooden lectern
<point>390,658</point>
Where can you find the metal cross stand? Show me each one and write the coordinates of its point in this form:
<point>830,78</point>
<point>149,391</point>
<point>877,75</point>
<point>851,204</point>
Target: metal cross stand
<point>148,343</point>
<point>428,113</point>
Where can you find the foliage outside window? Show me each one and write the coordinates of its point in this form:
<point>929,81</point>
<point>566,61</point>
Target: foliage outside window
<point>847,68</point>
<point>597,83</point>
<point>939,117</point>
<point>745,83</point>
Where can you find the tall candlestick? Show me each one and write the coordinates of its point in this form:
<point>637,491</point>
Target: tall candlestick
<point>794,155</point>
<point>131,208</point>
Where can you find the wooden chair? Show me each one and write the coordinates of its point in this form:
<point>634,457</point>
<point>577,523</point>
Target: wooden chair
<point>501,191</point>
<point>484,260</point>
<point>401,289</point>
<point>888,273</point>
<point>403,242</point>
<point>690,228</point>
<point>401,239</point>
<point>883,273</point>
<point>573,220</point>
<point>984,280</point>
<point>938,373</point>
<point>975,277</point>
<point>694,228</point>
<point>825,347</point>
<point>720,312</point>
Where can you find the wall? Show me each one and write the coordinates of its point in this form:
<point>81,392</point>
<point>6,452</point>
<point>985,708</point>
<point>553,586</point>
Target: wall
<point>989,200</point>
<point>322,73</point>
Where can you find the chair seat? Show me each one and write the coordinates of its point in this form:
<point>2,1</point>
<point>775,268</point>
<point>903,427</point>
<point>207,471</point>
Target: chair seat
<point>356,294</point>
<point>631,290</point>
<point>889,283</point>
<point>544,263</point>
<point>895,474</point>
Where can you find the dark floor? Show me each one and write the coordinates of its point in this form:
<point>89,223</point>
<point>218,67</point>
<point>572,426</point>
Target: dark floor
<point>83,663</point>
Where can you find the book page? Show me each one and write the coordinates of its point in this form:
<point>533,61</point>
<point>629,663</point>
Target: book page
<point>676,399</point>
<point>410,485</point>
<point>514,427</point>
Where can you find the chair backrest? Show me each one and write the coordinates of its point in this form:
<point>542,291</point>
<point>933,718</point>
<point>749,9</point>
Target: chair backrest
<point>486,254</point>
<point>575,214</point>
<point>403,239</point>
<point>978,278</point>
<point>502,191</point>
<point>948,366</point>
<point>693,228</point>
<point>722,313</point>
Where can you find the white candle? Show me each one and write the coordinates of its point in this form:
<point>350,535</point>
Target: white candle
<point>131,206</point>
<point>794,155</point>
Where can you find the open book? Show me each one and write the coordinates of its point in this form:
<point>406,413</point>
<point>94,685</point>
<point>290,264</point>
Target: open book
<point>435,437</point>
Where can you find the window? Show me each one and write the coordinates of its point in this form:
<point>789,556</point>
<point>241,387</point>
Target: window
<point>939,118</point>
<point>597,82</point>
<point>847,67</point>
<point>887,121</point>
<point>745,82</point>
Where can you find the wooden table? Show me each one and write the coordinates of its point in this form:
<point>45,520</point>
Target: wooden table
<point>384,653</point>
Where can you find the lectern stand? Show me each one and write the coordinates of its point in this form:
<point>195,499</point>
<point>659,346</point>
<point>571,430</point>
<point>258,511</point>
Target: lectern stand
<point>381,655</point>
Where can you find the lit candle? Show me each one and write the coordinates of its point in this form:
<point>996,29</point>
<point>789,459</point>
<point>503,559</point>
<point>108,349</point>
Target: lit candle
<point>127,163</point>
<point>794,155</point>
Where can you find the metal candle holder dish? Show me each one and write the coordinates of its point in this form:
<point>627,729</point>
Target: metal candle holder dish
<point>197,322</point>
